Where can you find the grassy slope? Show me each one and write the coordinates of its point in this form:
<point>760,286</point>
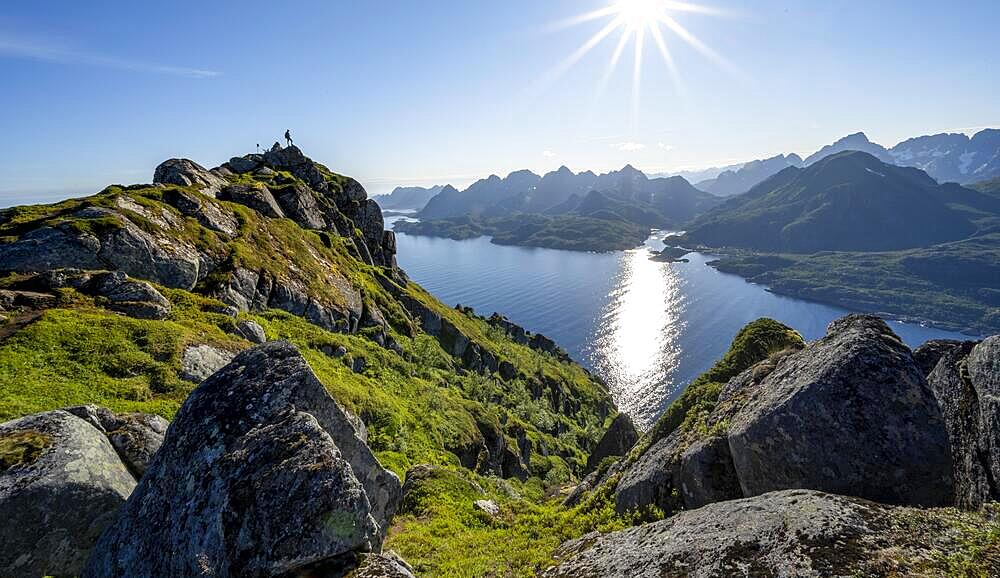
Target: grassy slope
<point>416,405</point>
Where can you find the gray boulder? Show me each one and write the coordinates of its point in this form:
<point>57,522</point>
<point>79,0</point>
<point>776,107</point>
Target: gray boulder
<point>850,414</point>
<point>928,354</point>
<point>245,164</point>
<point>135,436</point>
<point>298,204</point>
<point>966,382</point>
<point>382,566</point>
<point>800,533</point>
<point>619,438</point>
<point>206,212</point>
<point>251,331</point>
<point>134,298</point>
<point>255,196</point>
<point>61,485</point>
<point>200,361</point>
<point>188,173</point>
<point>260,474</point>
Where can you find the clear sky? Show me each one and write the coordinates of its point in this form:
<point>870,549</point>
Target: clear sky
<point>421,92</point>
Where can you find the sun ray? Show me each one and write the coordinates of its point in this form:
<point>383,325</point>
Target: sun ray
<point>637,19</point>
<point>640,37</point>
<point>697,44</point>
<point>668,58</point>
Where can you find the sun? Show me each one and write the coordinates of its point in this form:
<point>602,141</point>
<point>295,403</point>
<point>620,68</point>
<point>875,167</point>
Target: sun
<point>638,22</point>
<point>637,14</point>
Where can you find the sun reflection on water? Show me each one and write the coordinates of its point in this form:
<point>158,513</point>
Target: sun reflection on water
<point>636,344</point>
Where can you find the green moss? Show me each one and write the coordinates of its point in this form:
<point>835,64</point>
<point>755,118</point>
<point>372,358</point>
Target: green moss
<point>22,448</point>
<point>753,344</point>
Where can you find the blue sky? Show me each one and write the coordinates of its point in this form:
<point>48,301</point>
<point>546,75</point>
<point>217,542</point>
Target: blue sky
<point>407,92</point>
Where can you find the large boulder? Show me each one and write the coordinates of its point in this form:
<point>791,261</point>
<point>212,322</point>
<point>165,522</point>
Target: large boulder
<point>200,361</point>
<point>261,473</point>
<point>135,436</point>
<point>299,204</point>
<point>256,196</point>
<point>849,414</point>
<point>208,213</point>
<point>619,438</point>
<point>188,173</point>
<point>800,533</point>
<point>61,485</point>
<point>966,382</point>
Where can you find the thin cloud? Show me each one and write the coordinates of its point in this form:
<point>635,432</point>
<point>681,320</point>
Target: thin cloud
<point>33,50</point>
<point>664,146</point>
<point>548,154</point>
<point>628,147</point>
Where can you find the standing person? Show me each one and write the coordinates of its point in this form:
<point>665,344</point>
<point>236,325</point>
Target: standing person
<point>288,136</point>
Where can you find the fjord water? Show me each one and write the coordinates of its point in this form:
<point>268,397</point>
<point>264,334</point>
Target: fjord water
<point>646,328</point>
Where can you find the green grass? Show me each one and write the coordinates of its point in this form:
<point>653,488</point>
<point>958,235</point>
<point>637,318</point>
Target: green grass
<point>753,344</point>
<point>442,534</point>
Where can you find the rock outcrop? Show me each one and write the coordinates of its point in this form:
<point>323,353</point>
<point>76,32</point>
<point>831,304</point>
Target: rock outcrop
<point>966,381</point>
<point>851,413</point>
<point>61,485</point>
<point>200,361</point>
<point>187,173</point>
<point>135,436</point>
<point>261,473</point>
<point>619,438</point>
<point>798,533</point>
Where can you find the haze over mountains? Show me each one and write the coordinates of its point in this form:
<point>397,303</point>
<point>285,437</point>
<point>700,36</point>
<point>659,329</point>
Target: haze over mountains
<point>848,201</point>
<point>946,157</point>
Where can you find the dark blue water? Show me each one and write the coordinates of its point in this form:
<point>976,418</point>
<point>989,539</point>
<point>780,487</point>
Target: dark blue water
<point>646,328</point>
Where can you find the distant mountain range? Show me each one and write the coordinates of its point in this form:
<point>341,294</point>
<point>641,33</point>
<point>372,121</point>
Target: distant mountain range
<point>947,157</point>
<point>658,202</point>
<point>407,197</point>
<point>847,201</point>
<point>740,180</point>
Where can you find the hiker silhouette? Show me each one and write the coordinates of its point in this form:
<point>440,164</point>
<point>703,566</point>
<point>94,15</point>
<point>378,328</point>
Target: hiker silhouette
<point>288,137</point>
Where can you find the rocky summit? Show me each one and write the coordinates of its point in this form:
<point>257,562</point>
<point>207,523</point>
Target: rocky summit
<point>226,373</point>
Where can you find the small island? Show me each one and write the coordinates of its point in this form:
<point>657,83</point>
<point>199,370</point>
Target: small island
<point>566,232</point>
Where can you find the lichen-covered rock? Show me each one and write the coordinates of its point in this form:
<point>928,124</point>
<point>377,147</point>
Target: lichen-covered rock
<point>619,438</point>
<point>135,436</point>
<point>134,298</point>
<point>928,354</point>
<point>381,566</point>
<point>61,485</point>
<point>966,382</point>
<point>298,204</point>
<point>850,414</point>
<point>260,474</point>
<point>800,533</point>
<point>649,480</point>
<point>255,196</point>
<point>206,212</point>
<point>200,361</point>
<point>188,173</point>
<point>251,331</point>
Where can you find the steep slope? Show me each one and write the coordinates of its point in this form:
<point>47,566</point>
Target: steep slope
<point>300,251</point>
<point>408,197</point>
<point>848,202</point>
<point>741,180</point>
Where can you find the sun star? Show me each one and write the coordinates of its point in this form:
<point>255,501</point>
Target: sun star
<point>635,21</point>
